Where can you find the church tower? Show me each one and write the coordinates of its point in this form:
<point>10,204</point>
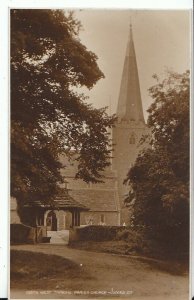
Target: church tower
<point>130,124</point>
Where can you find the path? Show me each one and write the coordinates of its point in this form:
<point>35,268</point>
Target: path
<point>59,237</point>
<point>113,274</point>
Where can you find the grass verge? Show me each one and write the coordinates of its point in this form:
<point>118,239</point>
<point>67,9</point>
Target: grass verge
<point>30,270</point>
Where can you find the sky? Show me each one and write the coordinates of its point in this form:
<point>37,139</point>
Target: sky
<point>161,38</point>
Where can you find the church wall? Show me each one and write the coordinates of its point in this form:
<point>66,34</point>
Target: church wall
<point>64,219</point>
<point>110,218</point>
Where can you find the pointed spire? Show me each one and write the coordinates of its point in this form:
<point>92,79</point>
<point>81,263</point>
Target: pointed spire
<point>131,32</point>
<point>129,103</point>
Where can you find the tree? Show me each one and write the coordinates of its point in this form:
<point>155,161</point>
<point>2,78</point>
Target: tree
<point>160,176</point>
<point>48,116</point>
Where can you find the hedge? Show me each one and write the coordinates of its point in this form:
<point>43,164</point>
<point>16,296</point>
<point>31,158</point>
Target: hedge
<point>95,233</point>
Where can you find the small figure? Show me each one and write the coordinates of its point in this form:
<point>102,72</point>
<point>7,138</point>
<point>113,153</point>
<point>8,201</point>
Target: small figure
<point>90,222</point>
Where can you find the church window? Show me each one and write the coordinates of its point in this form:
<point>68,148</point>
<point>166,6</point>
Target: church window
<point>132,139</point>
<point>102,219</point>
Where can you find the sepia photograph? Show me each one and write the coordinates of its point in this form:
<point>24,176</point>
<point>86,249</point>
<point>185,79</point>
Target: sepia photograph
<point>100,153</point>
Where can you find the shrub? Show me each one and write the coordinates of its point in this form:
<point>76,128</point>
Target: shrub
<point>135,239</point>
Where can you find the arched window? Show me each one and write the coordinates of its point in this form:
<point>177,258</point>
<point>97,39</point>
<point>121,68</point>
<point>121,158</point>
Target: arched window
<point>132,139</point>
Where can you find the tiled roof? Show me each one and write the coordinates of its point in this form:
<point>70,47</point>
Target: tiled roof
<point>101,197</point>
<point>70,167</point>
<point>97,200</point>
<point>63,201</point>
<point>67,201</point>
<point>71,171</point>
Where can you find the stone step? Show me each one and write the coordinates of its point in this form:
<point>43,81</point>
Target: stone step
<point>58,237</point>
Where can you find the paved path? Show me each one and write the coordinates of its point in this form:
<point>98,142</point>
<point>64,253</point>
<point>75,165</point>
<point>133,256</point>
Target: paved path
<point>59,237</point>
<point>112,274</point>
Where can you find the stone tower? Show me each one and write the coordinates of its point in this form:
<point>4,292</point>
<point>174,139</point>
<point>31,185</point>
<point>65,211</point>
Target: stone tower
<point>130,125</point>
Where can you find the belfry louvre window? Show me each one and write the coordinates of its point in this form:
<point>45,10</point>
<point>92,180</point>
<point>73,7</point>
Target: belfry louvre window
<point>132,139</point>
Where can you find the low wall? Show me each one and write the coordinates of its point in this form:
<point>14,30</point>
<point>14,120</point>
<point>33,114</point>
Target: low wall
<point>94,233</point>
<point>41,233</point>
<point>23,234</point>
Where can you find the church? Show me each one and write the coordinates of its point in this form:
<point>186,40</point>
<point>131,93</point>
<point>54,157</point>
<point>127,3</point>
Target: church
<point>106,200</point>
<point>101,203</point>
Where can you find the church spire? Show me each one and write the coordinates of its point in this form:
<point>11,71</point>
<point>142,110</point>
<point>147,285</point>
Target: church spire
<point>131,33</point>
<point>129,103</point>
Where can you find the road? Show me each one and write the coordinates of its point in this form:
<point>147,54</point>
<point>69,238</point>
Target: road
<point>112,276</point>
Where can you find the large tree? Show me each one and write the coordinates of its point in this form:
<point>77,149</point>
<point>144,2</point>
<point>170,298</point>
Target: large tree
<point>159,178</point>
<point>48,116</point>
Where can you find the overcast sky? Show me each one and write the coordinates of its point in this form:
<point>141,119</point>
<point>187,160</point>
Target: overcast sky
<point>162,40</point>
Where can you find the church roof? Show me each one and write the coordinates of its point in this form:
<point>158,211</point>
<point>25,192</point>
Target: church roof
<point>97,199</point>
<point>70,168</point>
<point>130,103</point>
<point>64,201</point>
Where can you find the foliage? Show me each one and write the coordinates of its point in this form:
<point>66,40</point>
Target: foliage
<point>160,176</point>
<point>97,233</point>
<point>134,238</point>
<point>48,116</point>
